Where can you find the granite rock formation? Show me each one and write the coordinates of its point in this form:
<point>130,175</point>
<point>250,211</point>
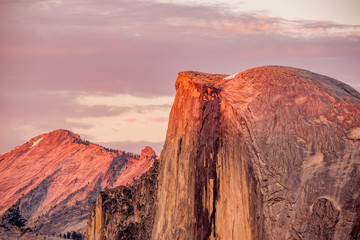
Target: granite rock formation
<point>269,153</point>
<point>49,184</point>
<point>125,212</point>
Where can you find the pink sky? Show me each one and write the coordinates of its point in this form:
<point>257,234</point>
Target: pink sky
<point>126,56</point>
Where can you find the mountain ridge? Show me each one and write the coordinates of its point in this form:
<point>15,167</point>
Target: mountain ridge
<point>53,180</point>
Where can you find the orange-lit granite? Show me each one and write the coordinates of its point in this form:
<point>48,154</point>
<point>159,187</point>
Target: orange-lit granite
<point>55,178</point>
<point>269,153</point>
<point>136,167</point>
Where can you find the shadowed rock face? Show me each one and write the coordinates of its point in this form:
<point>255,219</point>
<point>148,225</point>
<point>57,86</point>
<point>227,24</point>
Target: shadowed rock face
<point>125,212</point>
<point>50,183</point>
<point>270,153</point>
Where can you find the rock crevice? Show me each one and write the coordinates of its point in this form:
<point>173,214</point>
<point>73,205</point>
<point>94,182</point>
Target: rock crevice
<point>268,153</point>
<point>256,151</point>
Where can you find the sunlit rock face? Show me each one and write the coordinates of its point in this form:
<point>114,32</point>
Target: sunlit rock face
<point>51,182</point>
<point>269,153</point>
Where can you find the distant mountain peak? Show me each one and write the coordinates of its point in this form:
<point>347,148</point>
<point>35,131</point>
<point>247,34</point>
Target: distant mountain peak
<point>54,178</point>
<point>54,137</point>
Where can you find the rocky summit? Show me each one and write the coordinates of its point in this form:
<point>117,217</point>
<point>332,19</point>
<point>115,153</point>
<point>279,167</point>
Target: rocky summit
<point>269,153</point>
<point>49,184</point>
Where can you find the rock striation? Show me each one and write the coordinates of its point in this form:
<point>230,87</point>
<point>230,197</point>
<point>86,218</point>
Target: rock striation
<point>125,212</point>
<point>269,153</point>
<point>49,184</point>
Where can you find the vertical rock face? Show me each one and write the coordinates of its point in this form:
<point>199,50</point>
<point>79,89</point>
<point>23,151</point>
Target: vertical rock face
<point>125,212</point>
<point>49,184</point>
<point>269,153</point>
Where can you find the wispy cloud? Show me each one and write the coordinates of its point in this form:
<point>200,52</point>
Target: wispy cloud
<point>159,119</point>
<point>88,65</point>
<point>31,113</point>
<point>123,100</point>
<point>130,120</point>
<point>135,47</point>
<point>251,24</point>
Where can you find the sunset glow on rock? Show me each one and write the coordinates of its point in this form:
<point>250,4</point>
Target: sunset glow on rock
<point>54,179</point>
<point>267,148</point>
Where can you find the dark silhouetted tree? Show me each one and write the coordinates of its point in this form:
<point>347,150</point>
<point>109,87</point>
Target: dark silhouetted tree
<point>13,217</point>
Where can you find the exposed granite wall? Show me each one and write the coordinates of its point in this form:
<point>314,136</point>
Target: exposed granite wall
<point>269,153</point>
<point>125,212</point>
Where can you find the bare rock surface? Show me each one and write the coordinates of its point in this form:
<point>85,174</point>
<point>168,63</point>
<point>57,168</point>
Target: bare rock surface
<point>269,153</point>
<point>49,184</point>
<point>125,212</point>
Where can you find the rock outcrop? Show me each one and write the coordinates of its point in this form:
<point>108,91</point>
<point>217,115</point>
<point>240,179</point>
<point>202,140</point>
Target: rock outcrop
<point>269,153</point>
<point>125,212</point>
<point>49,184</point>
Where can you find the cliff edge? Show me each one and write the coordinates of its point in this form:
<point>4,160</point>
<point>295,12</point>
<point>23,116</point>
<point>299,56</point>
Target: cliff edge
<point>269,153</point>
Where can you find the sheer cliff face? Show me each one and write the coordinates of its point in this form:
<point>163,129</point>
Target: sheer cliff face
<point>270,153</point>
<point>51,182</point>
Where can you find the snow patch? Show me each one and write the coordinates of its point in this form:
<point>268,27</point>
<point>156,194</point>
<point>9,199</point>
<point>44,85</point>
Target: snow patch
<point>36,142</point>
<point>231,76</point>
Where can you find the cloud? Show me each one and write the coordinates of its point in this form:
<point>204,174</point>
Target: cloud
<point>124,100</point>
<point>52,104</point>
<point>250,24</point>
<point>159,119</point>
<point>88,65</point>
<point>27,114</point>
<point>130,120</point>
<point>110,46</point>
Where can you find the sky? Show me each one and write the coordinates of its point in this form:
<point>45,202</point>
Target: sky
<point>107,69</point>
